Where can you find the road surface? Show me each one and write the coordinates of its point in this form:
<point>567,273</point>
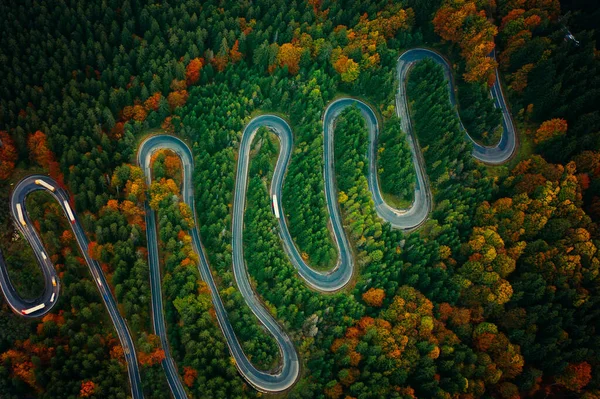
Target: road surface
<point>17,304</point>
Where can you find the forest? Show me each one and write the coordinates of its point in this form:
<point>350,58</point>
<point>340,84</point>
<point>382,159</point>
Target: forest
<point>495,295</point>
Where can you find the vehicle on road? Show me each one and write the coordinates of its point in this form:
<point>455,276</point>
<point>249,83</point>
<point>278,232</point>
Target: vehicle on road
<point>42,183</point>
<point>33,309</point>
<point>69,212</point>
<point>275,207</point>
<point>20,215</point>
<point>54,281</point>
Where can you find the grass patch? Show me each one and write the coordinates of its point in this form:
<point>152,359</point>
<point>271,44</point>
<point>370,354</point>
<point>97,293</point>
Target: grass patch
<point>396,202</point>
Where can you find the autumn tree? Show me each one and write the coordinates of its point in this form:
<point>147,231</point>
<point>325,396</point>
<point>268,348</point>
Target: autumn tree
<point>192,70</point>
<point>8,155</point>
<point>189,376</point>
<point>162,190</point>
<point>374,297</point>
<point>177,98</point>
<point>549,129</point>
<point>153,102</point>
<point>519,19</point>
<point>575,376</point>
<point>88,388</point>
<point>41,154</point>
<point>150,352</point>
<point>134,213</point>
<point>347,68</point>
<point>519,78</point>
<point>234,54</point>
<point>289,56</point>
<point>131,179</point>
<point>139,113</point>
<point>38,146</point>
<point>460,22</point>
<point>361,49</point>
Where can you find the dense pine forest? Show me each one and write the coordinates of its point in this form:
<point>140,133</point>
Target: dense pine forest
<point>495,295</point>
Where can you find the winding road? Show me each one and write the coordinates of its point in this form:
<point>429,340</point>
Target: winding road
<point>494,155</point>
<point>49,297</point>
<point>330,281</point>
<point>290,368</point>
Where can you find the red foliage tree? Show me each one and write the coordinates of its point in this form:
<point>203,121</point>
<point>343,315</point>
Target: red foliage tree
<point>576,376</point>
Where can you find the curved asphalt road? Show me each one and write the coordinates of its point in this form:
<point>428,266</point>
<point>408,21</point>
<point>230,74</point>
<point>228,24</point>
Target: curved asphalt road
<point>147,148</point>
<point>495,155</point>
<point>17,304</point>
<point>289,370</point>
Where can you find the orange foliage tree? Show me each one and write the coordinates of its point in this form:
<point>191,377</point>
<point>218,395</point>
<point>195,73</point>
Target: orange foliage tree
<point>177,98</point>
<point>519,78</point>
<point>172,164</point>
<point>192,71</point>
<point>139,113</point>
<point>189,376</point>
<point>151,353</point>
<point>42,155</point>
<point>21,365</point>
<point>220,62</point>
<point>551,128</point>
<point>87,389</point>
<point>134,214</point>
<point>334,391</point>
<point>133,179</point>
<point>153,102</point>
<point>8,155</point>
<point>407,324</point>
<point>374,297</point>
<point>460,22</point>
<point>234,53</point>
<point>66,237</point>
<point>94,250</point>
<point>117,352</point>
<point>38,146</point>
<point>519,19</point>
<point>289,55</point>
<point>347,68</point>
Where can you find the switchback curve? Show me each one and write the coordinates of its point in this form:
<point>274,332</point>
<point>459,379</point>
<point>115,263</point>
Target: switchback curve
<point>493,155</point>
<point>52,291</point>
<point>262,381</point>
